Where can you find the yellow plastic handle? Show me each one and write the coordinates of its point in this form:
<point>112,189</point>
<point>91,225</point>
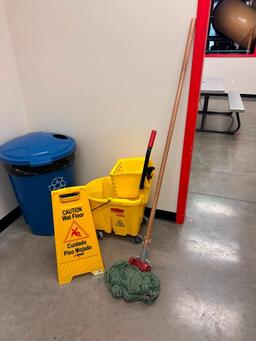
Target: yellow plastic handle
<point>69,194</point>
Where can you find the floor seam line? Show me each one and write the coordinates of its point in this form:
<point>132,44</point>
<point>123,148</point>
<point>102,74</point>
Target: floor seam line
<point>227,198</point>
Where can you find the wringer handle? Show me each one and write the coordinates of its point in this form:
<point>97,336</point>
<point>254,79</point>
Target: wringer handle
<point>145,166</point>
<point>170,133</point>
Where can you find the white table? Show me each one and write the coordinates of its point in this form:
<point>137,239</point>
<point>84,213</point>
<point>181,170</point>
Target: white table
<point>212,85</point>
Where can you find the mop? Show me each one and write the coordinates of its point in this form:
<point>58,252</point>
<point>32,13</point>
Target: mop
<point>133,280</point>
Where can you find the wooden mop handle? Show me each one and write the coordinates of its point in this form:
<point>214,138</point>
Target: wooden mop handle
<point>170,132</point>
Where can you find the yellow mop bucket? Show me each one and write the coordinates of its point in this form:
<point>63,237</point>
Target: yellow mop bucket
<point>76,242</point>
<point>114,215</point>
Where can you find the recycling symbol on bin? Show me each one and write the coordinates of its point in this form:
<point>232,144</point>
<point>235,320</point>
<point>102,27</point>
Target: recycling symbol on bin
<point>57,183</point>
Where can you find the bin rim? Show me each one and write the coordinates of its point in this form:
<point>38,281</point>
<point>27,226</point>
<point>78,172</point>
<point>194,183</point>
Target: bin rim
<point>128,202</point>
<point>20,170</point>
<point>36,149</point>
<point>99,200</point>
<point>118,201</point>
<point>112,200</point>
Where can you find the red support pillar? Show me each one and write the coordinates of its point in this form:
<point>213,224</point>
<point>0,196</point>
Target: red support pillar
<point>202,21</point>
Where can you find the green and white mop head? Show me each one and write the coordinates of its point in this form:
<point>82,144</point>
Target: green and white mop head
<point>128,282</point>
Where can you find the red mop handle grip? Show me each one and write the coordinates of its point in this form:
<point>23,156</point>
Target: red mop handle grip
<point>152,139</point>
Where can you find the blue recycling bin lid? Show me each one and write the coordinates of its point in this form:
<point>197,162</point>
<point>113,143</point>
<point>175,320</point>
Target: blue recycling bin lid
<point>37,149</point>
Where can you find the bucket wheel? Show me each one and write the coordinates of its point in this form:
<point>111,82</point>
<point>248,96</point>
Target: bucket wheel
<point>100,235</point>
<point>138,239</point>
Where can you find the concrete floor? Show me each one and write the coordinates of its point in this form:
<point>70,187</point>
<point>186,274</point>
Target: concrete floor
<point>207,266</point>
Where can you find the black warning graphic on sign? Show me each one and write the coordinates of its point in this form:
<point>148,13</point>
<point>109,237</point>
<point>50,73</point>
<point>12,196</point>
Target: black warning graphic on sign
<point>119,223</point>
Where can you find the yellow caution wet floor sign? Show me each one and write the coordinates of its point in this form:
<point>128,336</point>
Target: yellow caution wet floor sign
<point>76,242</point>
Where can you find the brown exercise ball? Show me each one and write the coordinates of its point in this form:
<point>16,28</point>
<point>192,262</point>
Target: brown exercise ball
<point>236,20</point>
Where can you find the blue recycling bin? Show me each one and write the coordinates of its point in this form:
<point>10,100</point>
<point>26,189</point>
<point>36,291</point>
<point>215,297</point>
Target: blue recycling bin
<point>38,163</point>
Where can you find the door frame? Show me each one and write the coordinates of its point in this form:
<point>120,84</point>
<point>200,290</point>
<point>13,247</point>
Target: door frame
<point>202,22</point>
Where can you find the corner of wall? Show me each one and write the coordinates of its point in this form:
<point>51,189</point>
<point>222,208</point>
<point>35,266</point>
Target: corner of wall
<point>12,111</point>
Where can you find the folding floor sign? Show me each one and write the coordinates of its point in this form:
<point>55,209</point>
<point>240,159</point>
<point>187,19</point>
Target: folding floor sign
<point>77,247</point>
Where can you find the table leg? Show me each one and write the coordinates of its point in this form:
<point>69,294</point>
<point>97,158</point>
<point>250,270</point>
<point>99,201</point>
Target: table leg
<point>204,111</point>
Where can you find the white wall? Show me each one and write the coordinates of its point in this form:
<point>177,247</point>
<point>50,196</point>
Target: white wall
<point>106,73</point>
<point>238,73</point>
<point>12,111</point>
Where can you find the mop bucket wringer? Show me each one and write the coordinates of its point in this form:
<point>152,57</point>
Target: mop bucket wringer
<point>117,202</point>
<point>126,176</point>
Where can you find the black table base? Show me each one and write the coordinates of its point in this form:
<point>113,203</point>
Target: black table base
<point>206,112</point>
